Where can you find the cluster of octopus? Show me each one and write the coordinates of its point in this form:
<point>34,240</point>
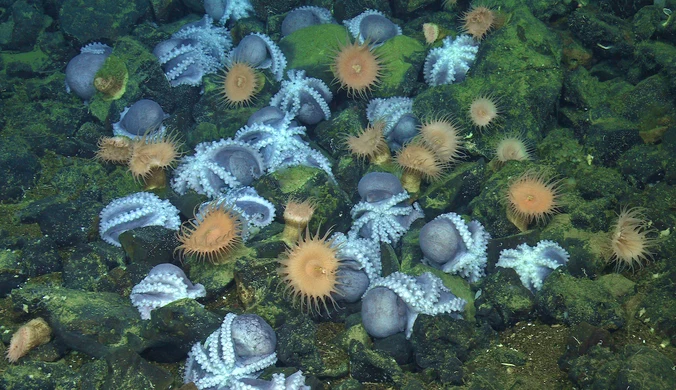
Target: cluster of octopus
<point>317,269</point>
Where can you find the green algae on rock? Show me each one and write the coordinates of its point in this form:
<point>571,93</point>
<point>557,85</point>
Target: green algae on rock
<point>312,49</point>
<point>111,79</point>
<point>302,182</point>
<point>402,58</point>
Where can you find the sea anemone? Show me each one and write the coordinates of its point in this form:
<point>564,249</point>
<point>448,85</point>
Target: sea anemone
<point>309,270</point>
<point>296,217</point>
<point>443,138</point>
<point>215,232</point>
<point>370,143</point>
<point>114,149</point>
<point>630,243</point>
<point>418,161</point>
<point>478,21</point>
<point>151,155</point>
<point>532,197</point>
<point>357,68</point>
<point>33,334</point>
<point>111,79</point>
<point>484,111</point>
<point>240,84</point>
<point>431,32</point>
<point>512,148</point>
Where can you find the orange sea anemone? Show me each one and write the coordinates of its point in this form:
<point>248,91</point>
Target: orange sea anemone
<point>443,138</point>
<point>309,270</point>
<point>484,112</point>
<point>370,143</point>
<point>630,241</point>
<point>239,84</point>
<point>114,149</point>
<point>296,217</point>
<point>151,155</point>
<point>33,334</point>
<point>512,148</point>
<point>532,197</point>
<point>478,21</point>
<point>418,161</point>
<point>215,231</point>
<point>357,68</point>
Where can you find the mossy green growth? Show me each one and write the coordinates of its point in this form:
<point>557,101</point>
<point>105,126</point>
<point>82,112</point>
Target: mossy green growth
<point>292,179</point>
<point>111,79</point>
<point>521,63</point>
<point>226,117</point>
<point>70,177</point>
<point>302,182</point>
<point>36,59</point>
<point>570,300</point>
<point>216,276</point>
<point>201,132</point>
<point>100,108</point>
<point>140,65</point>
<point>401,57</point>
<point>111,83</point>
<point>312,49</point>
<point>617,285</point>
<point>332,134</point>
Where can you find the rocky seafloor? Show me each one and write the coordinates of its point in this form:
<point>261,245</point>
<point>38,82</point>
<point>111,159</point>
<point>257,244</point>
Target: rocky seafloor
<point>591,85</point>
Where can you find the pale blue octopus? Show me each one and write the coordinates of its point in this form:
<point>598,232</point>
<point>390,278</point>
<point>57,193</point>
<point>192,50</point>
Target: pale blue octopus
<point>197,49</point>
<point>359,266</point>
<point>401,126</point>
<point>143,118</point>
<point>240,349</point>
<point>373,27</point>
<point>306,98</point>
<point>217,167</point>
<point>281,145</point>
<point>305,16</point>
<point>259,51</point>
<point>165,283</point>
<point>384,214</point>
<point>534,264</point>
<point>223,10</point>
<point>256,211</point>
<point>393,303</point>
<point>449,63</point>
<point>81,69</point>
<point>450,244</point>
<point>135,211</point>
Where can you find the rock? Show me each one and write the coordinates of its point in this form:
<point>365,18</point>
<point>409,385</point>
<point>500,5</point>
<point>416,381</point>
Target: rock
<point>103,19</point>
<point>504,300</point>
<point>19,168</point>
<point>569,300</point>
<point>67,223</point>
<point>173,329</point>
<point>22,30</point>
<point>12,274</point>
<point>94,323</point>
